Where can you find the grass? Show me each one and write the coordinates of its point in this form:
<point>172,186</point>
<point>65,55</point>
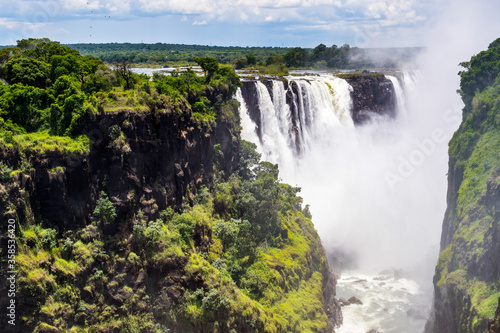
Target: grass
<point>478,167</point>
<point>309,316</point>
<point>119,100</point>
<point>43,142</point>
<point>362,76</point>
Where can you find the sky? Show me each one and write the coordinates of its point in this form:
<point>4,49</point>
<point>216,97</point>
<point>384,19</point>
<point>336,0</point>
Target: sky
<point>288,23</point>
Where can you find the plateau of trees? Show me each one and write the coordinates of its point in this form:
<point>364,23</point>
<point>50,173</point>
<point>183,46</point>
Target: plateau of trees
<point>49,87</point>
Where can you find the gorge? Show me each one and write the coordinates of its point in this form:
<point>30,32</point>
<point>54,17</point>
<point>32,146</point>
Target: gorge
<point>342,140</point>
<point>375,182</point>
<point>172,205</point>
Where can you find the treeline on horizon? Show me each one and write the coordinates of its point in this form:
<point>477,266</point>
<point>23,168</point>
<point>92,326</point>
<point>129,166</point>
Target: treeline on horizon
<point>272,59</point>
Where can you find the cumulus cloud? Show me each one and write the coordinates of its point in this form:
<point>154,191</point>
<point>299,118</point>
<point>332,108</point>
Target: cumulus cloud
<point>8,24</point>
<point>308,12</point>
<point>307,15</point>
<point>77,5</point>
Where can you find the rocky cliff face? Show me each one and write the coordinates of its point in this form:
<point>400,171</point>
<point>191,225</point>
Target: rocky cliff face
<point>145,159</point>
<point>78,271</point>
<point>467,279</point>
<point>144,162</point>
<point>494,324</point>
<point>372,95</point>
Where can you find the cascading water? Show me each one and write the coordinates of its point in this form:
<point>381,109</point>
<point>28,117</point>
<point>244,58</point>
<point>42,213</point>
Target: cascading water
<point>372,191</point>
<point>400,96</point>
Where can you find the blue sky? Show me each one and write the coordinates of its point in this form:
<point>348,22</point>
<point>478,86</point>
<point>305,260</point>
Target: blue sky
<point>306,23</point>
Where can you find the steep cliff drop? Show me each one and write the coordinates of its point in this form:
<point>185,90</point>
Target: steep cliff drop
<point>153,216</point>
<point>467,279</point>
<point>363,161</point>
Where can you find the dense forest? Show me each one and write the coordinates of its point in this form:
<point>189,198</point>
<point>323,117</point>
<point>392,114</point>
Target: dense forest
<point>137,208</point>
<point>272,59</point>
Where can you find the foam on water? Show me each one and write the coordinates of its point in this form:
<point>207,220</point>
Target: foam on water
<point>390,304</point>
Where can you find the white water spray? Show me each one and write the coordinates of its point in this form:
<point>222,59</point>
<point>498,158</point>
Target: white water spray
<point>376,191</point>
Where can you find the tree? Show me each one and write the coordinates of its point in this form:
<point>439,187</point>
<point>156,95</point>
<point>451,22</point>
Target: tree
<point>296,57</point>
<point>123,70</point>
<point>8,53</point>
<point>319,52</point>
<point>189,77</point>
<point>249,157</point>
<point>481,72</point>
<point>68,64</point>
<point>274,60</point>
<point>104,210</point>
<point>44,49</point>
<point>251,59</point>
<point>259,201</point>
<point>25,105</point>
<point>240,63</point>
<point>209,66</point>
<point>30,72</point>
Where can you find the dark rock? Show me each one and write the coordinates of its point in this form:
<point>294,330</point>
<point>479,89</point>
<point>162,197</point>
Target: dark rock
<point>250,95</point>
<point>122,296</point>
<point>494,323</point>
<point>332,306</point>
<point>165,152</point>
<point>140,277</point>
<point>372,96</point>
<point>354,300</point>
<point>340,259</point>
<point>344,302</point>
<point>164,301</point>
<point>419,314</point>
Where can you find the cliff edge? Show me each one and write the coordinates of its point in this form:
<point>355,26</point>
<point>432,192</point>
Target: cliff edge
<point>467,279</point>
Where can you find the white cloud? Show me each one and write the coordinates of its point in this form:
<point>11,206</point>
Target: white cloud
<point>81,4</point>
<point>396,11</point>
<point>6,23</point>
<point>296,15</point>
<point>120,7</point>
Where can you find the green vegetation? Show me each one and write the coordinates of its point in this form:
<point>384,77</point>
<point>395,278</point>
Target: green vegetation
<point>468,267</point>
<point>171,54</point>
<point>363,76</point>
<point>51,91</point>
<point>238,254</point>
<point>262,269</point>
<point>266,60</point>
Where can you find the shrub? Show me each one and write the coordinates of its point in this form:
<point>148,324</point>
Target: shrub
<point>49,239</point>
<point>104,210</point>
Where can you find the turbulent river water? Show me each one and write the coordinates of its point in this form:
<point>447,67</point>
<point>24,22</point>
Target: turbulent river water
<point>377,191</point>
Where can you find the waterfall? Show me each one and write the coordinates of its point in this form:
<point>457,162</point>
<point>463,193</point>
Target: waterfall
<point>317,107</point>
<point>400,96</point>
<point>248,130</point>
<point>376,191</point>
